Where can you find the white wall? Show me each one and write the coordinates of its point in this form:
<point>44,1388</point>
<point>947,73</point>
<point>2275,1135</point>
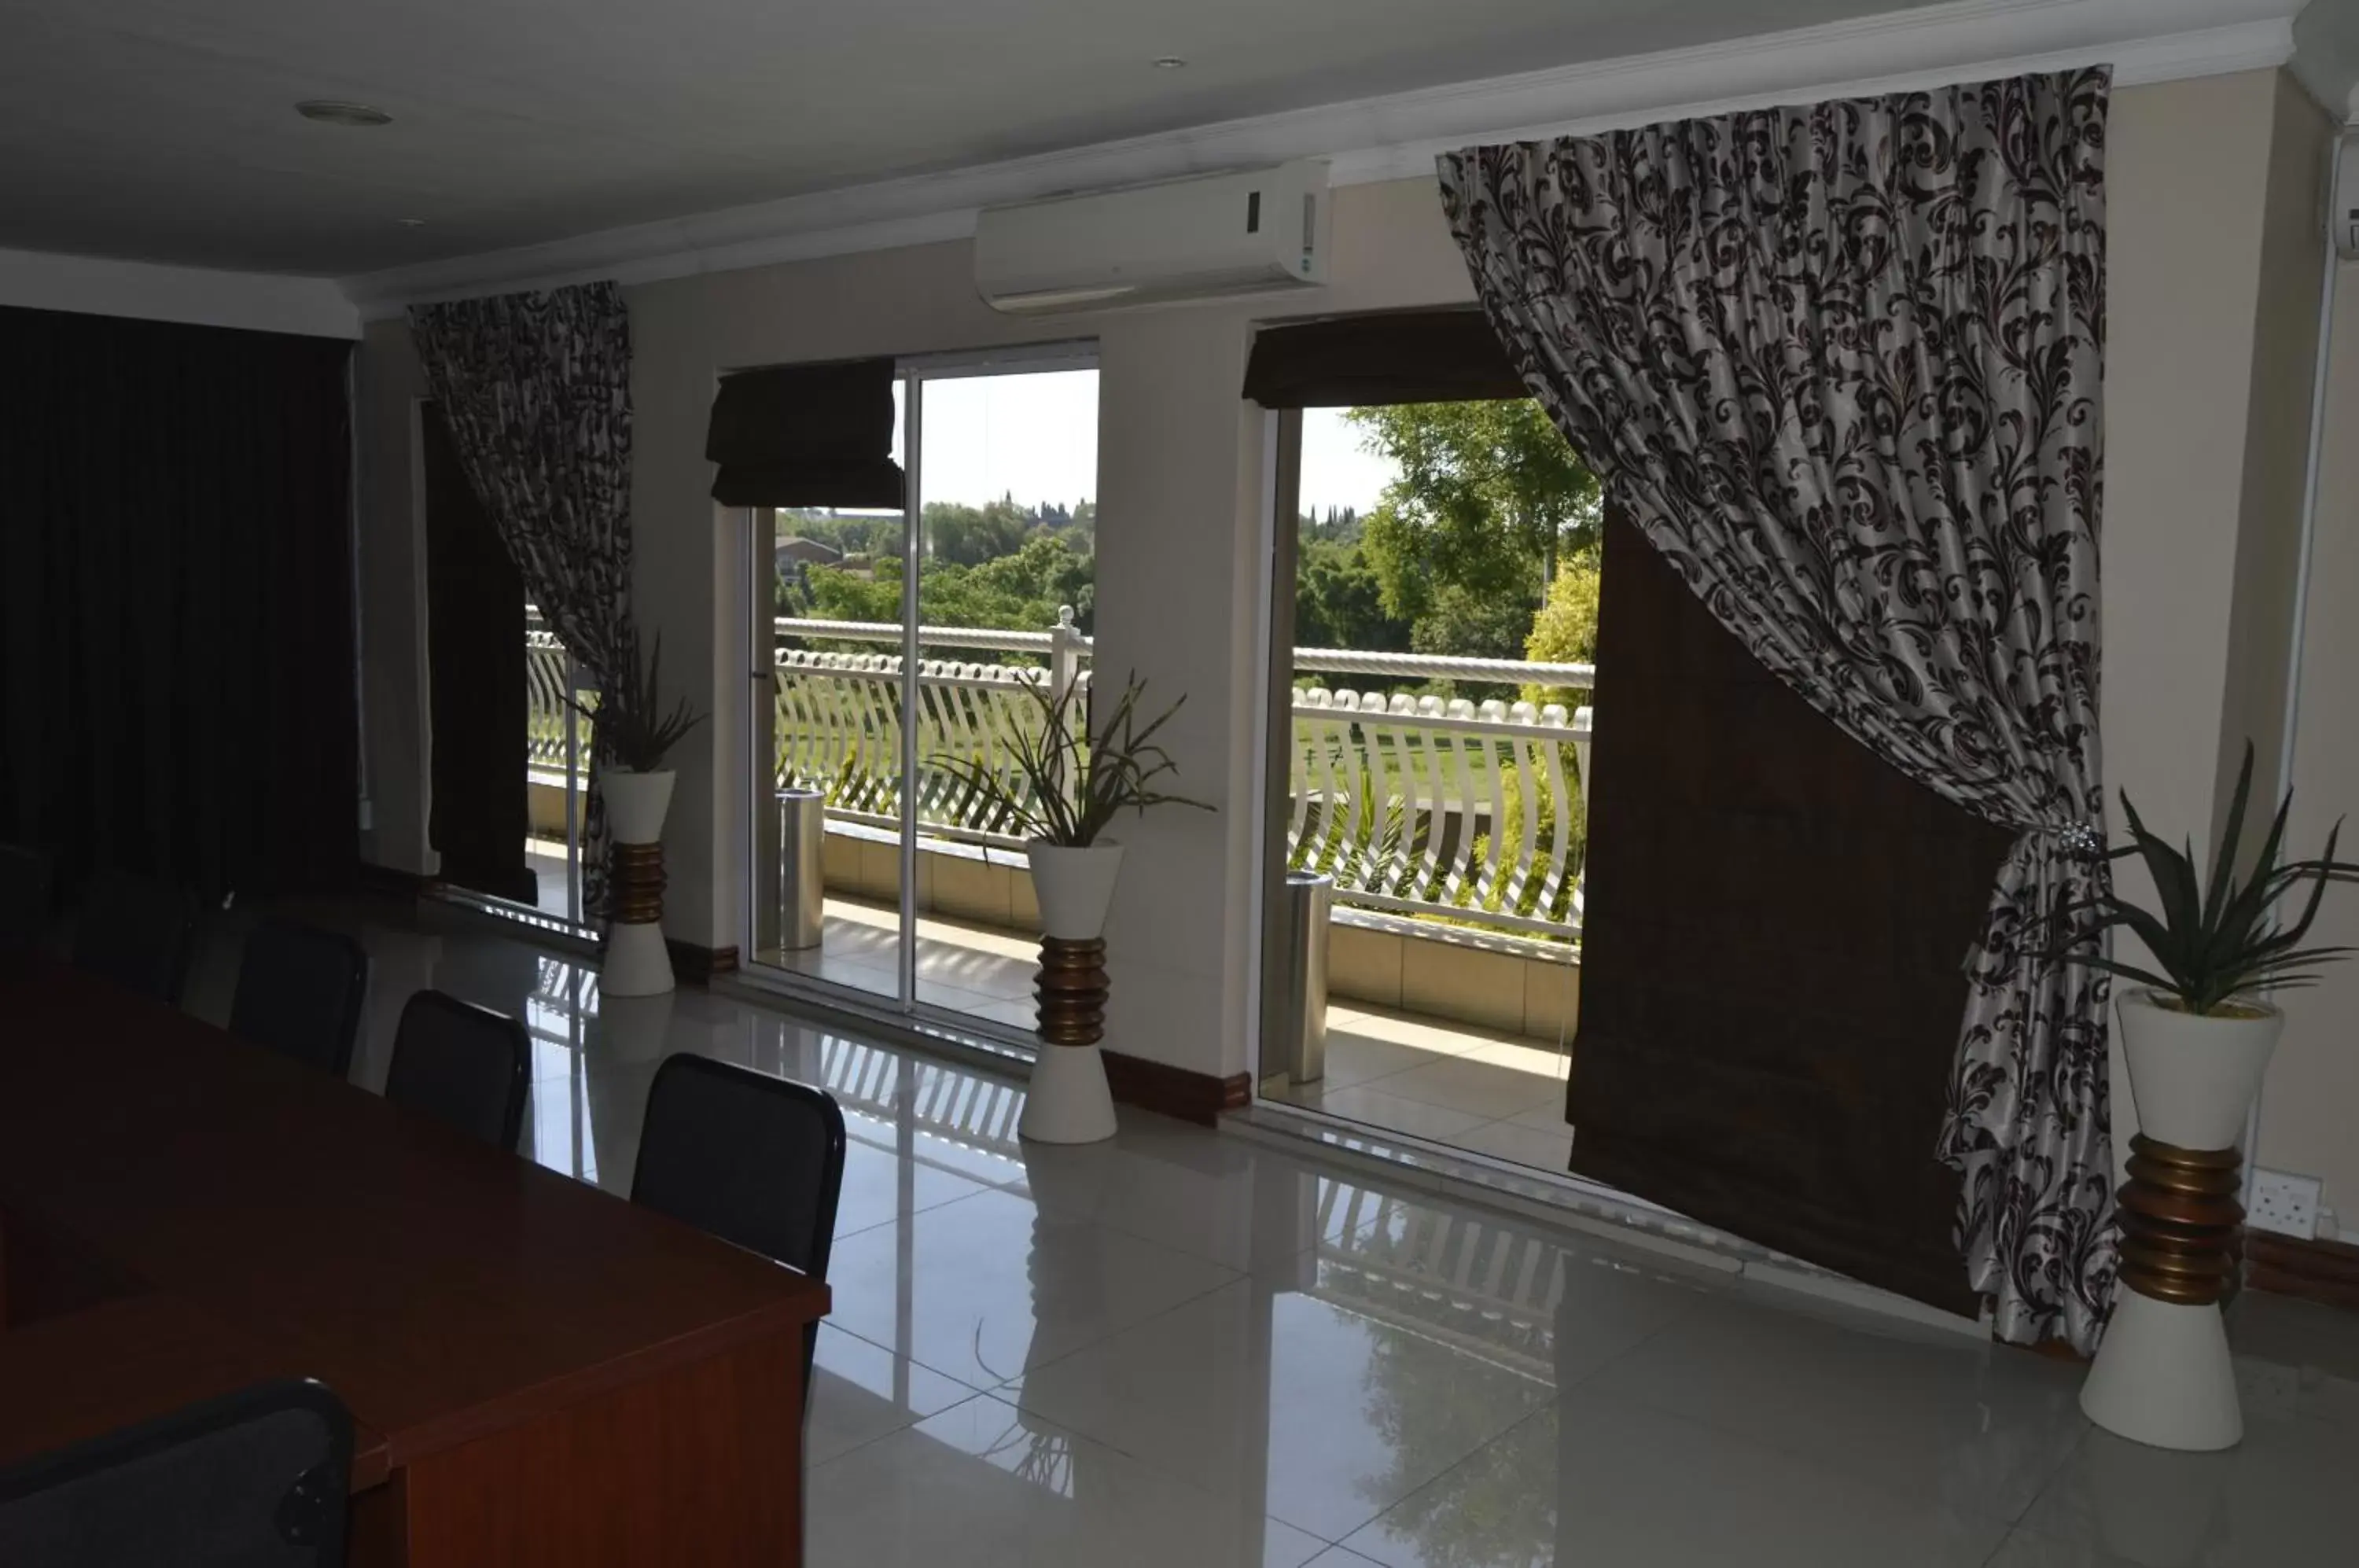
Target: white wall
<point>2206,388</point>
<point>393,601</point>
<point>2309,1107</point>
<point>97,285</point>
<point>1180,482</point>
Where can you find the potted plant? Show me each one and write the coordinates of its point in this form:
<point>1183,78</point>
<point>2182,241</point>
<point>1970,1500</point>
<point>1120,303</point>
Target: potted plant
<point>638,730</point>
<point>1064,784</point>
<point>2197,1031</point>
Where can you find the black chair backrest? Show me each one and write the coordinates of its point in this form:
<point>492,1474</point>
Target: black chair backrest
<point>255,1477</point>
<point>462,1064</point>
<point>751,1159</point>
<point>135,932</point>
<point>298,994</point>
<point>25,892</point>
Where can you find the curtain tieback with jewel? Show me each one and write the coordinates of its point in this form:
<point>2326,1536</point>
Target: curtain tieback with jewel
<point>2083,839</point>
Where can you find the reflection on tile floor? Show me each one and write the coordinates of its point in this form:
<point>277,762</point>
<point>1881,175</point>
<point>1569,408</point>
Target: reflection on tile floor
<point>1182,1347</point>
<point>1496,1094</point>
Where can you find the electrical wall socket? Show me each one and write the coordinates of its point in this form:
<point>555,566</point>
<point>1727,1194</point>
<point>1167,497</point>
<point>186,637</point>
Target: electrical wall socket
<point>2285,1203</point>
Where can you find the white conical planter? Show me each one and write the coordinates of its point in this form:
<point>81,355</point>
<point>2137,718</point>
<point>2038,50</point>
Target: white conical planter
<point>1068,1100</point>
<point>636,803</point>
<point>1074,886</point>
<point>2162,1375</point>
<point>636,962</point>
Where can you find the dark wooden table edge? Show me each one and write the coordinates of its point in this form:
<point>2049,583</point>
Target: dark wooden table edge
<point>539,1400</point>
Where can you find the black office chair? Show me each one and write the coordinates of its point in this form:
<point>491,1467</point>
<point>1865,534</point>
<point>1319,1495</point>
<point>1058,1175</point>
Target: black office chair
<point>751,1159</point>
<point>135,932</point>
<point>462,1064</point>
<point>25,892</point>
<point>257,1476</point>
<point>298,994</point>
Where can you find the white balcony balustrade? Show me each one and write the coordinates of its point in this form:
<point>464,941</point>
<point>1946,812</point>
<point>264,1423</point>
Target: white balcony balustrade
<point>1421,807</point>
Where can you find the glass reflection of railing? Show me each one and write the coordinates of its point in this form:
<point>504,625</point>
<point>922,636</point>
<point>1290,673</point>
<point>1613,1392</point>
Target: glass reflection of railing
<point>966,1109</point>
<point>1487,1289</point>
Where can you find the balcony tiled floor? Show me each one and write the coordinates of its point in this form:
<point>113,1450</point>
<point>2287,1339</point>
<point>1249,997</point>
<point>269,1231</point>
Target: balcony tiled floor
<point>1488,1093</point>
<point>1186,1349</point>
<point>1474,1089</point>
<point>546,860</point>
<point>984,973</point>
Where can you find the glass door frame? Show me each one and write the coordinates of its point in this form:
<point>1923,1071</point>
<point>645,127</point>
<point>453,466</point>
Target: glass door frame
<point>912,372</point>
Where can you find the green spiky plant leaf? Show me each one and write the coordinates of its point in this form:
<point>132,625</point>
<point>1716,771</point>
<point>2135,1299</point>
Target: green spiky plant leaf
<point>1069,782</point>
<point>629,715</point>
<point>2216,943</point>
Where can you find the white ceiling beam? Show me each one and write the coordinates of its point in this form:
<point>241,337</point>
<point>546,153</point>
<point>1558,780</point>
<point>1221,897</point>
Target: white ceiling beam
<point>202,295</point>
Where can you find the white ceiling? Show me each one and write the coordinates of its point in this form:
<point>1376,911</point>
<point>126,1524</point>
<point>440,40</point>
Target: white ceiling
<point>164,129</point>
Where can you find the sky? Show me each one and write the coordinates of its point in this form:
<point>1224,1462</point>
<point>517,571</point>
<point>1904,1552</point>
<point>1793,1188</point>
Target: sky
<point>1035,435</point>
<point>1335,471</point>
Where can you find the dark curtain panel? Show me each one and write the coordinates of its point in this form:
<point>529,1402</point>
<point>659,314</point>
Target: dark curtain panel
<point>475,672</point>
<point>806,435</point>
<point>176,624</point>
<point>1406,356</point>
<point>1772,957</point>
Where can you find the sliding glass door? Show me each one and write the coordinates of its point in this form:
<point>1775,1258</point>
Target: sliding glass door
<point>899,657</point>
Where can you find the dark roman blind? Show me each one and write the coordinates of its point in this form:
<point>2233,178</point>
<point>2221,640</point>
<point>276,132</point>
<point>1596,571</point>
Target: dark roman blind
<point>806,435</point>
<point>1772,952</point>
<point>1404,356</point>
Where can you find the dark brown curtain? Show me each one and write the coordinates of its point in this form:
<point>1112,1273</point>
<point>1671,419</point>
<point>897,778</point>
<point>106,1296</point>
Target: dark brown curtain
<point>1771,964</point>
<point>177,692</point>
<point>475,676</point>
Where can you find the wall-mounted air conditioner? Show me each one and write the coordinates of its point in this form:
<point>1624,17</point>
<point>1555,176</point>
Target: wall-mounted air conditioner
<point>1261,230</point>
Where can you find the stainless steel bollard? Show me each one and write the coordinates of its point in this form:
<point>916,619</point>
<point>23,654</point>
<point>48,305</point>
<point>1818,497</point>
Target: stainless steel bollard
<point>802,880</point>
<point>1310,897</point>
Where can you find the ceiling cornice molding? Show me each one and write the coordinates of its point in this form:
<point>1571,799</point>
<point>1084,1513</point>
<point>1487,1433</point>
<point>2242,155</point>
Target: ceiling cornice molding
<point>1397,135</point>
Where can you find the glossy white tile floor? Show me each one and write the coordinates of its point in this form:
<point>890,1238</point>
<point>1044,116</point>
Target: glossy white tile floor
<point>1188,1349</point>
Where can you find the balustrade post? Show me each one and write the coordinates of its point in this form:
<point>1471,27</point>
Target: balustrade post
<point>1064,654</point>
<point>1065,644</point>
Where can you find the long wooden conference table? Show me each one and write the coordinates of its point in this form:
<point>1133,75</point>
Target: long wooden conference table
<point>540,1372</point>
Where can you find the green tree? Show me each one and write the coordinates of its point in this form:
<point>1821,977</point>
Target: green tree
<point>1022,590</point>
<point>1489,497</point>
<point>1338,603</point>
<point>961,535</point>
<point>1465,623</point>
<point>1565,630</point>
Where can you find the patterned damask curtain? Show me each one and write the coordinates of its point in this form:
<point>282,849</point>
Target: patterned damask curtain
<point>1841,365</point>
<point>536,391</point>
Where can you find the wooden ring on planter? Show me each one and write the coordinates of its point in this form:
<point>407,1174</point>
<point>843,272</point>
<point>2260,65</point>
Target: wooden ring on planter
<point>2180,1218</point>
<point>1071,991</point>
<point>635,885</point>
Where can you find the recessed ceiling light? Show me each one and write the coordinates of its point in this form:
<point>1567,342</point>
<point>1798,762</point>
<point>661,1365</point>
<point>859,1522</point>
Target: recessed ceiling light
<point>335,112</point>
<point>1168,62</point>
<point>412,223</point>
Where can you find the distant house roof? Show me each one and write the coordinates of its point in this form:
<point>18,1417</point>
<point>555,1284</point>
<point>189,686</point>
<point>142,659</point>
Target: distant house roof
<point>809,551</point>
